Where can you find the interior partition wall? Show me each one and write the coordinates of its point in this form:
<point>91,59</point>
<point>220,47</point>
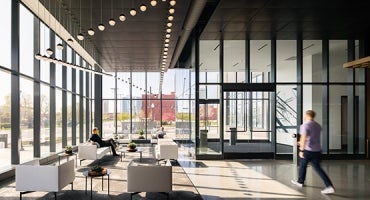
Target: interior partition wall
<point>304,74</point>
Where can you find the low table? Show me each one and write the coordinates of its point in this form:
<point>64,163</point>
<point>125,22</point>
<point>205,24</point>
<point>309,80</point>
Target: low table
<point>63,155</point>
<point>86,175</point>
<point>139,150</point>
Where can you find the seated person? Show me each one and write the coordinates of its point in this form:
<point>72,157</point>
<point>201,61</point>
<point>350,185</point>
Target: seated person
<point>161,132</point>
<point>96,138</point>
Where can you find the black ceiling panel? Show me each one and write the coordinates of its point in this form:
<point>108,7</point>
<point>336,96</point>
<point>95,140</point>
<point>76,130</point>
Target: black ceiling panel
<point>289,19</point>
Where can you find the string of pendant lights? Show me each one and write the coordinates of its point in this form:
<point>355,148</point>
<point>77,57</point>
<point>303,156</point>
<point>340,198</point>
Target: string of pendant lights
<point>121,17</point>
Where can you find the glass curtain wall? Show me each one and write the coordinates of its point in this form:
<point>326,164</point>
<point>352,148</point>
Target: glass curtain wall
<point>34,89</point>
<point>133,102</point>
<point>336,94</point>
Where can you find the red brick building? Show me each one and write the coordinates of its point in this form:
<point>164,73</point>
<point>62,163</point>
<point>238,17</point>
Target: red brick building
<point>153,105</point>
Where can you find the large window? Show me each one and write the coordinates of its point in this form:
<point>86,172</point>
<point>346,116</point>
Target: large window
<point>26,42</point>
<point>5,45</point>
<point>45,119</point>
<point>5,121</point>
<point>44,43</point>
<point>26,119</point>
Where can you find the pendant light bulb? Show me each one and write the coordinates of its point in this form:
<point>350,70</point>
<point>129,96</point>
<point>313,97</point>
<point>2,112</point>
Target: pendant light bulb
<point>44,58</point>
<point>169,24</point>
<point>168,35</point>
<point>143,7</point>
<point>133,12</point>
<point>38,56</point>
<point>167,40</point>
<point>166,45</point>
<point>172,2</point>
<point>80,36</point>
<point>112,22</point>
<point>49,51</point>
<point>101,27</point>
<point>170,18</point>
<point>122,17</point>
<point>91,31</point>
<point>168,30</point>
<point>59,46</point>
<point>153,2</point>
<point>171,10</point>
<point>70,40</point>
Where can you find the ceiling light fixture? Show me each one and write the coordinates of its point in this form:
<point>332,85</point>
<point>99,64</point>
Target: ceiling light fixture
<point>49,51</point>
<point>171,10</point>
<point>166,45</point>
<point>153,2</point>
<point>101,26</point>
<point>143,7</point>
<point>122,17</point>
<point>172,2</point>
<point>111,21</point>
<point>165,49</point>
<point>168,35</point>
<point>91,30</point>
<point>168,30</point>
<point>167,40</point>
<point>165,53</point>
<point>80,36</point>
<point>169,24</point>
<point>133,12</point>
<point>59,45</point>
<point>38,56</point>
<point>164,56</point>
<point>170,18</point>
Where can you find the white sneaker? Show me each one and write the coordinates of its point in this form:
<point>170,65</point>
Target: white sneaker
<point>296,183</point>
<point>328,190</point>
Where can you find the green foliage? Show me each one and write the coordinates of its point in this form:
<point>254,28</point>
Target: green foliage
<point>123,116</point>
<point>184,116</point>
<point>68,148</point>
<point>131,145</point>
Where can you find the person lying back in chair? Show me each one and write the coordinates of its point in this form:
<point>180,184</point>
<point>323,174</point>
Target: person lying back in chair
<point>102,143</point>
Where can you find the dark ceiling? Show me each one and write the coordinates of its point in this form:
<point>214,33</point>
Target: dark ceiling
<point>133,45</point>
<point>289,19</point>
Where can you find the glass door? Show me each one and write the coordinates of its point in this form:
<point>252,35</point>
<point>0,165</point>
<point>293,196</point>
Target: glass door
<point>247,124</point>
<point>209,141</point>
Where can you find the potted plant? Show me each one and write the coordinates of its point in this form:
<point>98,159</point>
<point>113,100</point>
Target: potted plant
<point>131,146</point>
<point>68,150</point>
<point>141,134</point>
<point>97,170</point>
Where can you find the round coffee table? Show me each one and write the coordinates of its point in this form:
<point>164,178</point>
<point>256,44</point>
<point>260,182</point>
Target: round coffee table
<point>86,175</point>
<point>138,150</point>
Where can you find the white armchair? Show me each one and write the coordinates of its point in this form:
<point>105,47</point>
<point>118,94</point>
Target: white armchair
<point>150,178</point>
<point>167,150</point>
<point>45,178</point>
<point>89,151</point>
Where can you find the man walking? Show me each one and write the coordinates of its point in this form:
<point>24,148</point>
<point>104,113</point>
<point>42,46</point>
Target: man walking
<point>310,151</point>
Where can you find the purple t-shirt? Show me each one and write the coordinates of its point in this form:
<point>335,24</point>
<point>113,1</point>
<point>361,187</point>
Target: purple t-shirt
<point>312,130</point>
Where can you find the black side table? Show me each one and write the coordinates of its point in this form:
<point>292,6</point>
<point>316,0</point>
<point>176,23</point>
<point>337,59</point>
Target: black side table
<point>86,175</point>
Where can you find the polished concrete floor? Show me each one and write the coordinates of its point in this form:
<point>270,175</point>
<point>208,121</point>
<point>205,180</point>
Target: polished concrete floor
<point>224,179</point>
<point>269,179</point>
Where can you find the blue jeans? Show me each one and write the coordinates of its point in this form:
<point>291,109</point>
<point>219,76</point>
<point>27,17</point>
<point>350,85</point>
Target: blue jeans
<point>314,158</point>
